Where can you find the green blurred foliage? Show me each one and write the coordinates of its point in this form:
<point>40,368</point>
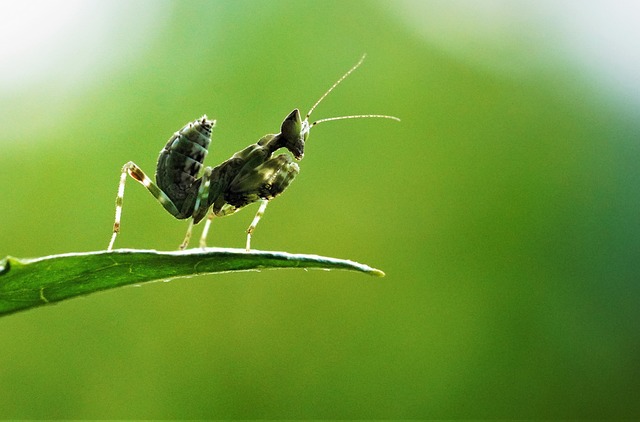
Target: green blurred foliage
<point>503,209</point>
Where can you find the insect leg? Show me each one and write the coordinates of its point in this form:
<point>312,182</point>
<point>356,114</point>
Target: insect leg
<point>136,173</point>
<point>254,223</point>
<point>187,236</point>
<point>200,207</point>
<point>205,230</point>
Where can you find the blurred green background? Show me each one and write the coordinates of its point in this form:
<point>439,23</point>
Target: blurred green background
<point>504,209</point>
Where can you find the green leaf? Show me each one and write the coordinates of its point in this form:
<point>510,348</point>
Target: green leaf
<point>28,283</point>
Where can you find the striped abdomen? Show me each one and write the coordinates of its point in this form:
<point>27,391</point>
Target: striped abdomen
<point>181,160</point>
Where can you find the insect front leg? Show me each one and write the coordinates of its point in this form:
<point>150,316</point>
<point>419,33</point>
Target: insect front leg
<point>261,183</point>
<point>254,223</point>
<point>136,173</point>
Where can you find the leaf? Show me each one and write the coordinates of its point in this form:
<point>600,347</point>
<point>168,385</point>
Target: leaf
<point>33,282</point>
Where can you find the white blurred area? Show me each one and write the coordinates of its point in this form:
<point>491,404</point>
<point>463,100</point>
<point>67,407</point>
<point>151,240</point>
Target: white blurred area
<point>67,40</point>
<point>52,50</point>
<point>600,39</point>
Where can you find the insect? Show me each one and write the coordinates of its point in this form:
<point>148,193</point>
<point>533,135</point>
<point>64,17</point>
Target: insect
<point>251,175</point>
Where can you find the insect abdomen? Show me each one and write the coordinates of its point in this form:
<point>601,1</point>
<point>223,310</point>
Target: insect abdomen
<point>181,160</point>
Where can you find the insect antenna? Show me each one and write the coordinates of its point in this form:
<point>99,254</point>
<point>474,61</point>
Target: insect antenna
<point>356,116</point>
<point>307,126</point>
<point>357,65</point>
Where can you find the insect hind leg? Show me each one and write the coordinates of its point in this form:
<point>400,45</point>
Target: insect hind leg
<point>200,210</point>
<point>136,173</point>
<point>187,236</point>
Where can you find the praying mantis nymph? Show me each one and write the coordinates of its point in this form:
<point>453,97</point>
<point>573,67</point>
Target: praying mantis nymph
<point>251,175</point>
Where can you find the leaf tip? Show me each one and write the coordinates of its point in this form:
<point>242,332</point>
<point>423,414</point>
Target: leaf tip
<point>4,265</point>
